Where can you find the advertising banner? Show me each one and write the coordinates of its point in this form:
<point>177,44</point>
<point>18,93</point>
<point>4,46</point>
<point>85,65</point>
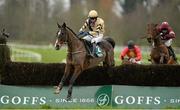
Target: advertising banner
<point>115,96</point>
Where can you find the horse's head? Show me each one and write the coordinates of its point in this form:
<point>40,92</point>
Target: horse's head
<point>3,33</point>
<point>152,32</point>
<point>3,36</point>
<point>61,35</point>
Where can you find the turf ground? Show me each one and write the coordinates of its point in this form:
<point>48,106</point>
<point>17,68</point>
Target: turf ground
<point>49,55</point>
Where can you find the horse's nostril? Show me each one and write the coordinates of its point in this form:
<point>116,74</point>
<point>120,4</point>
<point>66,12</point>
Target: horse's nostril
<point>57,47</point>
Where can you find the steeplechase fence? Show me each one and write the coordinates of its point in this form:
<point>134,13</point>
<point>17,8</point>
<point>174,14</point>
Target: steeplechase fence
<point>18,73</point>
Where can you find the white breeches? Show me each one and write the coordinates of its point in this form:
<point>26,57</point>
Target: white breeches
<point>133,60</point>
<point>88,38</point>
<point>166,43</point>
<point>95,39</point>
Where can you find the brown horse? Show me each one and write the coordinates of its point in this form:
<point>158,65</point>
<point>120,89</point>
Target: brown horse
<point>3,36</point>
<point>77,59</point>
<point>159,53</point>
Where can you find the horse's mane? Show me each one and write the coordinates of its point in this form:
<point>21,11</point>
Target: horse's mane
<point>72,31</point>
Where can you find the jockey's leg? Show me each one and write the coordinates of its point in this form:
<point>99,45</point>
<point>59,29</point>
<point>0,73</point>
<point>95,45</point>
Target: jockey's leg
<point>172,53</point>
<point>88,38</point>
<point>170,49</point>
<point>95,41</point>
<point>94,49</point>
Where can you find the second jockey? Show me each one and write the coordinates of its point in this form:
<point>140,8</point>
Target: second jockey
<point>133,53</point>
<point>95,26</point>
<point>167,35</point>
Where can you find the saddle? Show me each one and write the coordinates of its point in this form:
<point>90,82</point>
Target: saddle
<point>89,49</point>
<point>88,46</point>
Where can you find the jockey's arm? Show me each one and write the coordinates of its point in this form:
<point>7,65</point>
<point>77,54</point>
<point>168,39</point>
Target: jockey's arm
<point>83,28</point>
<point>138,54</point>
<point>93,33</point>
<point>123,53</point>
<point>171,33</point>
<point>99,29</point>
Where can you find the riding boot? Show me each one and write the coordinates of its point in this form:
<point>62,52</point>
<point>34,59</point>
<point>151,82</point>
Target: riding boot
<point>93,50</point>
<point>171,52</point>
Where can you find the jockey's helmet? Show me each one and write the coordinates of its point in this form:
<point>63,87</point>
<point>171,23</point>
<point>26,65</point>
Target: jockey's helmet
<point>130,44</point>
<point>164,25</point>
<point>93,14</point>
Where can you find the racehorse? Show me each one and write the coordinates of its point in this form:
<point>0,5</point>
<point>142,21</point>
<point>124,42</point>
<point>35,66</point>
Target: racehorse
<point>3,36</point>
<point>159,53</point>
<point>77,59</point>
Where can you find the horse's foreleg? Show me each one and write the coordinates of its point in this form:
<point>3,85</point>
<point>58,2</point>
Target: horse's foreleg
<point>171,60</point>
<point>162,56</point>
<point>63,79</point>
<point>76,73</point>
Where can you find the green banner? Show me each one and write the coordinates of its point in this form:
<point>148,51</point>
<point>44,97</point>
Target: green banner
<point>112,96</point>
<point>146,97</point>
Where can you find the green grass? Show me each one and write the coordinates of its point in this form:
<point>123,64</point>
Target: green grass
<point>50,55</point>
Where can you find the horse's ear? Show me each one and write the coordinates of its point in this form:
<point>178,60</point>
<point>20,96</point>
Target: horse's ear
<point>64,25</point>
<point>3,30</point>
<point>148,25</point>
<point>59,26</point>
<point>156,25</point>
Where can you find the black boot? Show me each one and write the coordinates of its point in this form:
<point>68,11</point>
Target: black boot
<point>93,50</point>
<point>171,52</point>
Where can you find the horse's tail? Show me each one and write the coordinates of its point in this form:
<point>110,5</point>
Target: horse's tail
<point>111,41</point>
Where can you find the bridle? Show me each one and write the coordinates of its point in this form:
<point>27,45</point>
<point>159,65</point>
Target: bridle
<point>66,40</point>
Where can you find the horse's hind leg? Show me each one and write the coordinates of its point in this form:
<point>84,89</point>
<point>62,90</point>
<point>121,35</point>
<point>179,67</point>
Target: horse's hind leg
<point>76,73</point>
<point>63,79</point>
<point>109,59</point>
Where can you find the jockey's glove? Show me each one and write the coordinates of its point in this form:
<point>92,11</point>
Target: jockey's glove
<point>122,58</point>
<point>161,34</point>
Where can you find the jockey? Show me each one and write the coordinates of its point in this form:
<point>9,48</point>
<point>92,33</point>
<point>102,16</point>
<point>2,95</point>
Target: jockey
<point>133,52</point>
<point>167,34</point>
<point>95,27</point>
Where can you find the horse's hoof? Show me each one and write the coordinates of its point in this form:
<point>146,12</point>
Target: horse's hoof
<point>69,97</point>
<point>57,92</point>
<point>55,87</point>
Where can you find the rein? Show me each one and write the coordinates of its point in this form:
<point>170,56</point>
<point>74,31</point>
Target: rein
<point>76,52</point>
<point>3,44</point>
<point>75,36</point>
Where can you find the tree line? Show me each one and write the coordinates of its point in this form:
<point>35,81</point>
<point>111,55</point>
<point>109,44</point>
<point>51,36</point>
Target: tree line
<point>34,21</point>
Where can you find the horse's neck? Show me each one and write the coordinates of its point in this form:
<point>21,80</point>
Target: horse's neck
<point>157,42</point>
<point>74,44</point>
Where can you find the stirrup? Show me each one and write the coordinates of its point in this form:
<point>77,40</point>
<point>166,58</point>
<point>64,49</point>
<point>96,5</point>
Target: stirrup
<point>92,55</point>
